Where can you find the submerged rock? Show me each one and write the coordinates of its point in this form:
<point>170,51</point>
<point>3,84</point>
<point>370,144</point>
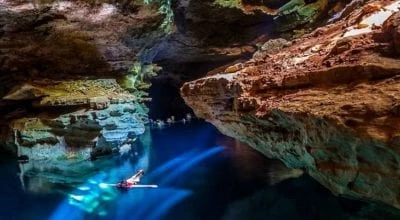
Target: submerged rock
<point>328,103</point>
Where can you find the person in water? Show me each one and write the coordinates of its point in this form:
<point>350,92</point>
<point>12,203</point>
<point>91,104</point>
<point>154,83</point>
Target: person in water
<point>135,179</point>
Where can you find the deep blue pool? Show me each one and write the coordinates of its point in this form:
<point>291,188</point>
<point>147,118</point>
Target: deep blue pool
<point>201,174</point>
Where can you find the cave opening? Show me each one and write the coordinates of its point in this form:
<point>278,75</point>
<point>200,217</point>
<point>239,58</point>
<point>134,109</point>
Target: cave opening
<point>166,100</point>
<point>75,81</point>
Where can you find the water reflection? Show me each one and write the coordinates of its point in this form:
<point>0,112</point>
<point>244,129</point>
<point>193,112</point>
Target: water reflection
<point>251,164</point>
<point>95,194</point>
<point>41,176</point>
<point>201,175</point>
<point>98,195</point>
<point>152,205</point>
<point>303,198</point>
<point>189,162</point>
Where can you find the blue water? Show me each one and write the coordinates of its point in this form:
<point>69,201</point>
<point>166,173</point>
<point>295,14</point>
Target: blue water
<point>201,174</point>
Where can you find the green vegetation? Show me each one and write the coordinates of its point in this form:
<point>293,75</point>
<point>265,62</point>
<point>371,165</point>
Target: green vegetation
<point>72,155</point>
<point>229,3</point>
<point>165,8</point>
<point>306,11</point>
<point>138,79</point>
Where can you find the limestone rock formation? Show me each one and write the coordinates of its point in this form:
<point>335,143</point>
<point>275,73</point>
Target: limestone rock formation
<point>327,102</point>
<point>61,64</point>
<point>84,117</point>
<point>51,39</point>
<point>213,33</point>
<point>72,71</point>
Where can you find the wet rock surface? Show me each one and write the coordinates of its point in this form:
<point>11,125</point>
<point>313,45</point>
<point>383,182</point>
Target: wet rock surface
<point>85,118</point>
<point>326,102</point>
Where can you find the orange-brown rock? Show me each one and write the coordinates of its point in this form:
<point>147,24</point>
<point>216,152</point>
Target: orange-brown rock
<point>329,103</point>
<point>53,39</point>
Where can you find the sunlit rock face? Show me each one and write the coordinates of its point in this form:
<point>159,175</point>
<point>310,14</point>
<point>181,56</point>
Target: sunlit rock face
<point>72,119</point>
<point>63,63</point>
<point>327,102</point>
<point>66,128</point>
<point>213,34</point>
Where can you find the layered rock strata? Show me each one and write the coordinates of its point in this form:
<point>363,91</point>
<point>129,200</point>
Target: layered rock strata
<point>327,102</point>
<point>55,39</point>
<point>61,64</point>
<point>71,119</point>
<point>215,32</point>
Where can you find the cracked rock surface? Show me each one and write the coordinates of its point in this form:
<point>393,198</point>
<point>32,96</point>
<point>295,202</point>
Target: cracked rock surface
<point>327,102</point>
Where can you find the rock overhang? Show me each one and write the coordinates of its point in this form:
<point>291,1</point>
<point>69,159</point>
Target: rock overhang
<point>326,102</point>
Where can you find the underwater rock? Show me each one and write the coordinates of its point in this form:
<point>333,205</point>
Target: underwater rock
<point>328,103</point>
<point>62,148</point>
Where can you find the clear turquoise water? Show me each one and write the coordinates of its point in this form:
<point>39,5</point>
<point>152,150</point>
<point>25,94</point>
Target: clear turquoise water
<point>201,174</point>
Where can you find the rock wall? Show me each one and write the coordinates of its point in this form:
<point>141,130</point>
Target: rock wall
<point>90,116</point>
<point>214,34</point>
<point>327,102</point>
<point>67,39</point>
<point>213,30</point>
<point>61,63</point>
<point>67,66</point>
